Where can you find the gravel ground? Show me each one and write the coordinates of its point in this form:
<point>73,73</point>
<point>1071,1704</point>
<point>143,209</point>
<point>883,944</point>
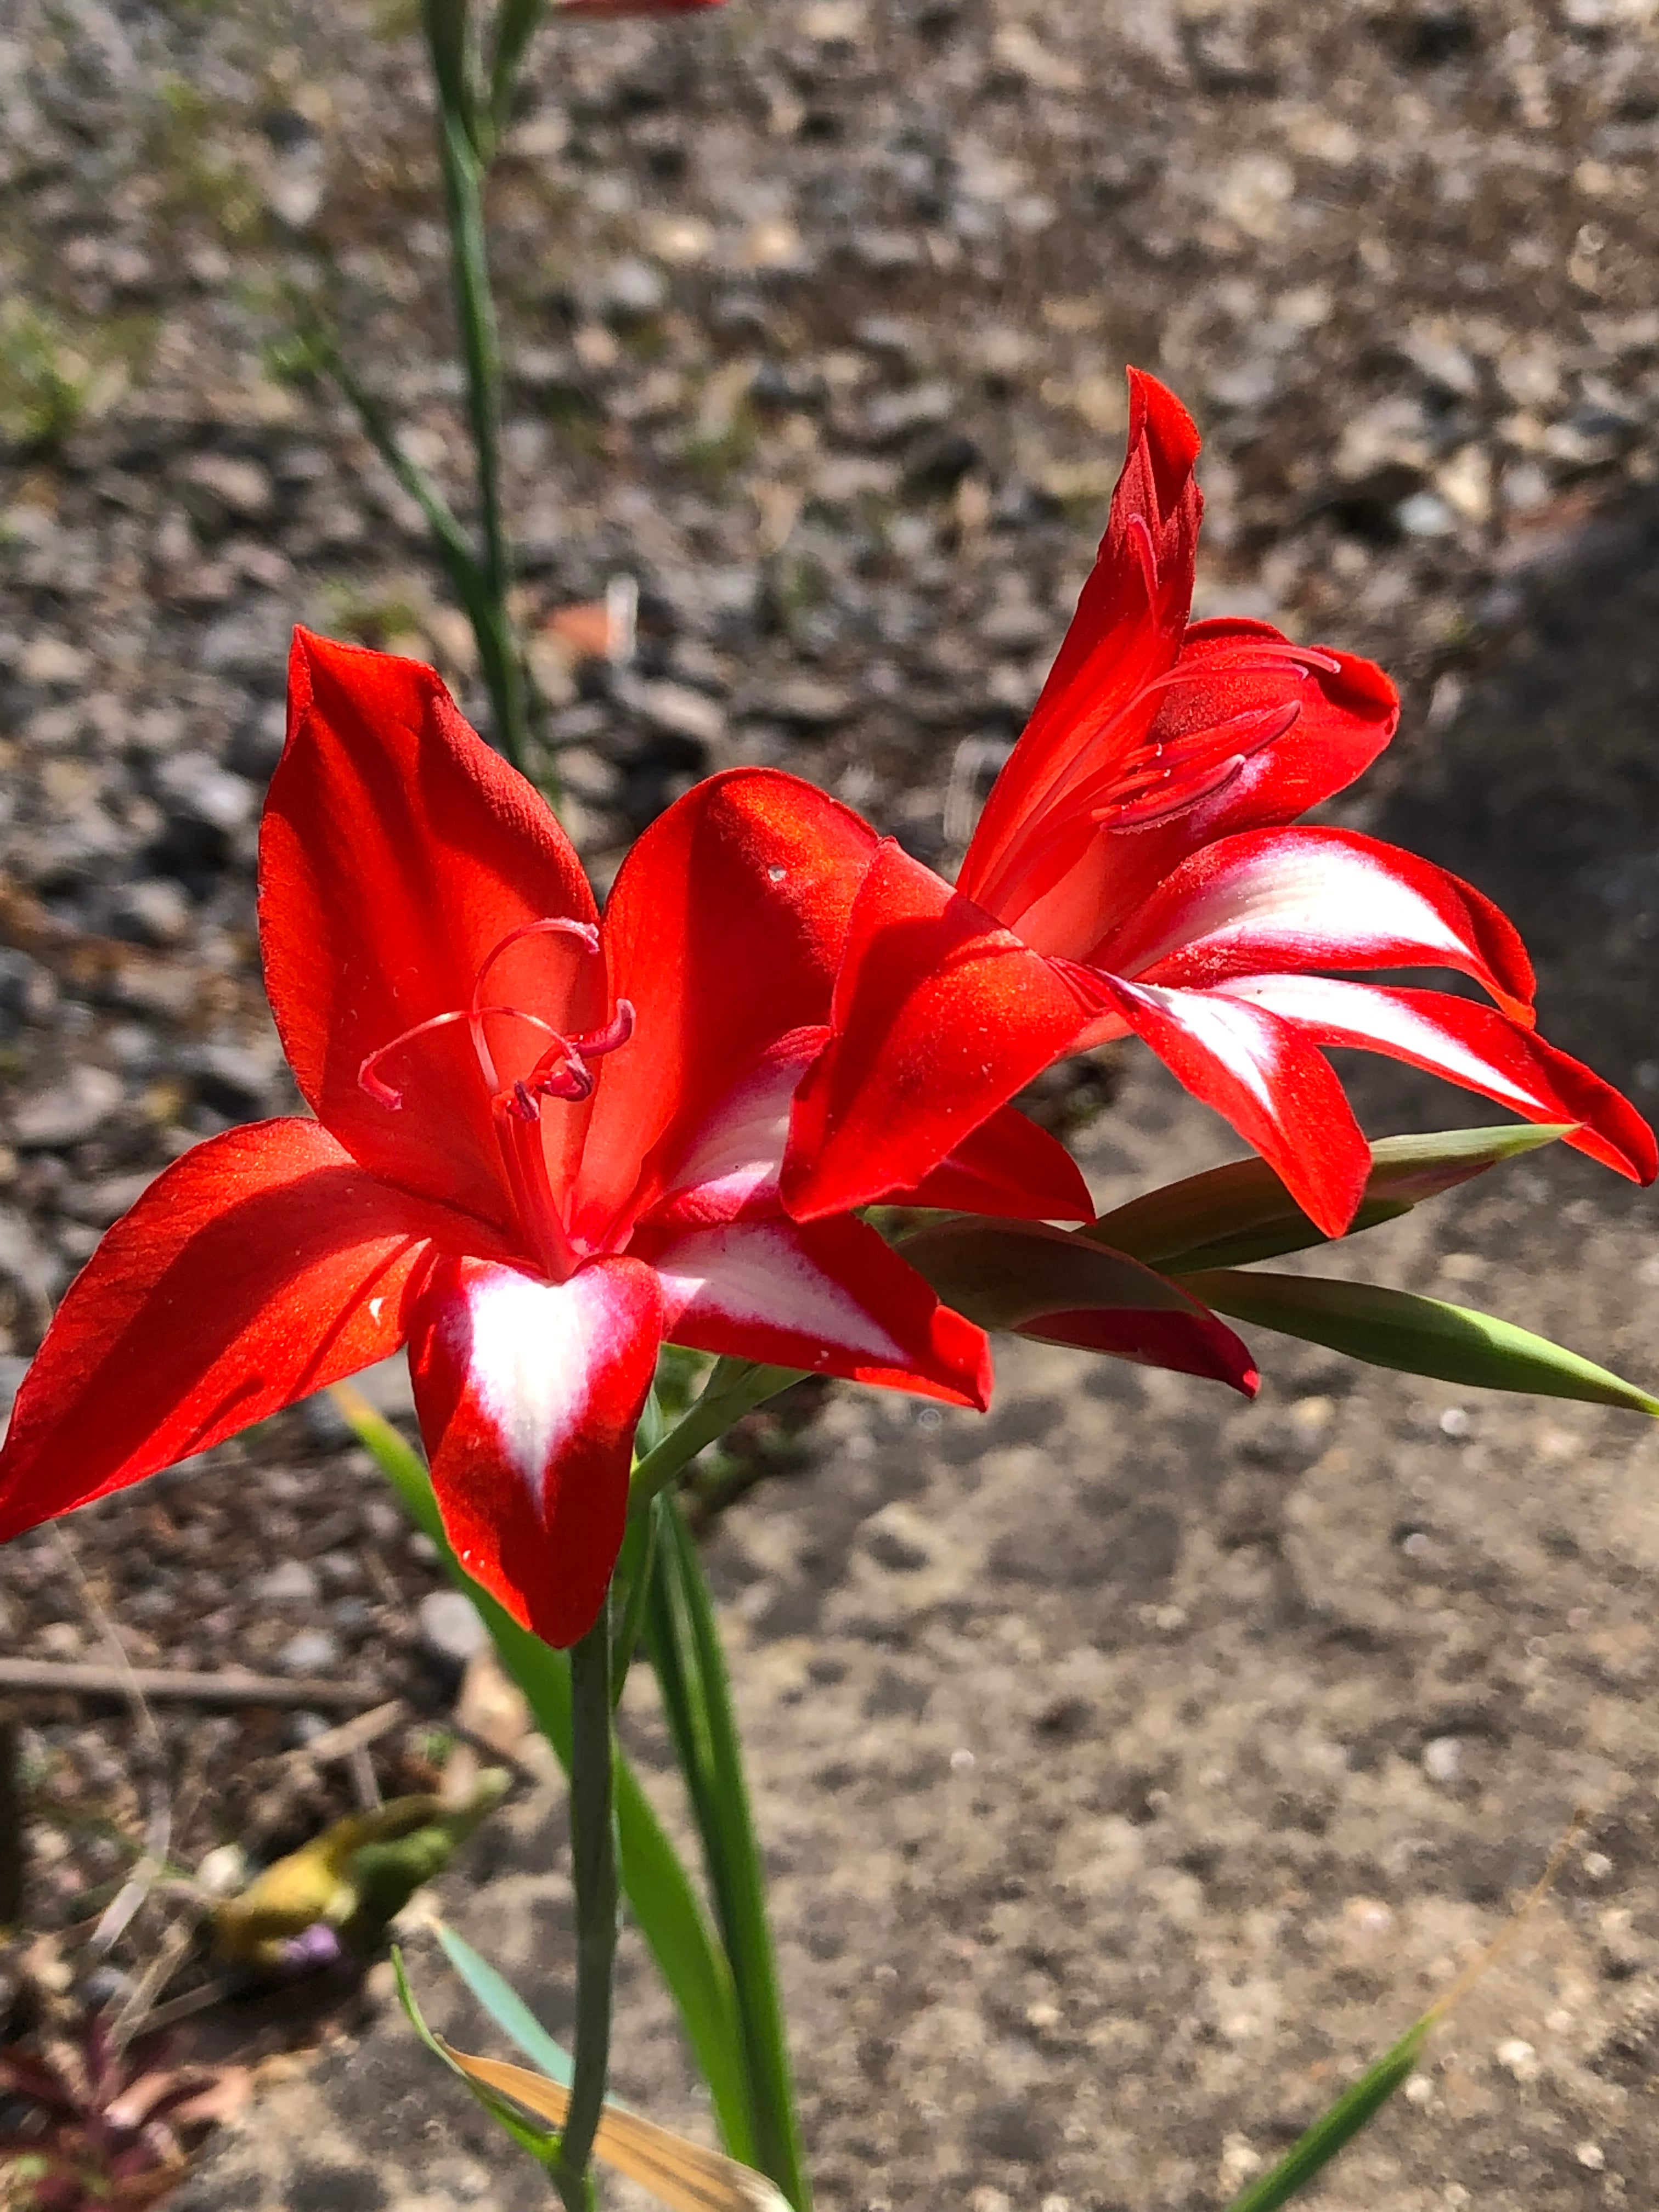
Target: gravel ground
<point>816,316</point>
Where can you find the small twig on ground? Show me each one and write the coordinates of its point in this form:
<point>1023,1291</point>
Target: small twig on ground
<point>353,1735</point>
<point>180,2007</point>
<point>365,1784</point>
<point>78,1678</point>
<point>169,1956</point>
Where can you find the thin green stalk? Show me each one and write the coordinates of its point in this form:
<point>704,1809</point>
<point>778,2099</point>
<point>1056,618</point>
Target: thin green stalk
<point>633,1578</point>
<point>480,346</point>
<point>735,1388</point>
<point>449,537</point>
<point>515,26</point>
<point>463,161</point>
<point>685,1649</point>
<point>598,1901</point>
<point>1356,2108</point>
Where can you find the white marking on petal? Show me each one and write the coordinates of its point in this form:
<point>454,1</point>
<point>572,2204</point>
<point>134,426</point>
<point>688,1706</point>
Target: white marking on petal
<point>1370,1019</point>
<point>1323,896</point>
<point>531,1351</point>
<point>737,1154</point>
<point>758,1272</point>
<point>374,1307</point>
<point>1246,1048</point>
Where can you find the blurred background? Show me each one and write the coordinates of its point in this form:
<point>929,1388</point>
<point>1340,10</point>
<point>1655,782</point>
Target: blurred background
<point>1137,1831</point>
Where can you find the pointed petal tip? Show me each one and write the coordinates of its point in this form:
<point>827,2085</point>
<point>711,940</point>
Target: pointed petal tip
<point>1155,413</point>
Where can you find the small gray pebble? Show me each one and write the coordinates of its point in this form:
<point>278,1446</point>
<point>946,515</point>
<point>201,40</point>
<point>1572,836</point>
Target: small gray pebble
<point>290,1582</point>
<point>450,1632</point>
<point>313,1651</point>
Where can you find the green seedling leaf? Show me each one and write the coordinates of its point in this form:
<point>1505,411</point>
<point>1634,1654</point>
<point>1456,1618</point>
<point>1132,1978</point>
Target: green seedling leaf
<point>506,2006</point>
<point>1360,2103</point>
<point>1230,1216</point>
<point>1356,2108</point>
<point>1417,1335</point>
<point>541,2144</point>
<point>658,1890</point>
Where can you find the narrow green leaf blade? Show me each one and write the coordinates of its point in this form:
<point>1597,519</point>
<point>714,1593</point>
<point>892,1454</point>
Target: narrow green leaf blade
<point>541,2144</point>
<point>506,2006</point>
<point>1417,1335</point>
<point>1356,2108</point>
<point>1230,1216</point>
<point>658,1888</point>
<point>684,1645</point>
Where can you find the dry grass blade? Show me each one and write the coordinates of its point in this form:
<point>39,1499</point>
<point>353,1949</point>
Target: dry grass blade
<point>680,2174</point>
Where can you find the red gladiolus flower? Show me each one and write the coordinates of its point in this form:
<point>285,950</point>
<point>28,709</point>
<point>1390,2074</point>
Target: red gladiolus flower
<point>1134,872</point>
<point>543,1143</point>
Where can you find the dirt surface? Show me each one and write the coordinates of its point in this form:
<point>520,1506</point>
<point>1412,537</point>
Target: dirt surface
<point>1132,1765</point>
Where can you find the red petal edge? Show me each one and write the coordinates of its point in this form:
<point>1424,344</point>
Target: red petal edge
<point>260,1267</point>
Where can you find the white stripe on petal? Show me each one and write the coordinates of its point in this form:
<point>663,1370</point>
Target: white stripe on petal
<point>758,1272</point>
<point>738,1153</point>
<point>1370,1017</point>
<point>1247,1048</point>
<point>531,1352</point>
<point>1322,895</point>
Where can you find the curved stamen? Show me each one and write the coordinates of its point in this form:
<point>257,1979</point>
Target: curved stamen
<point>1073,784</point>
<point>550,925</point>
<point>385,1094</point>
<point>515,1106</point>
<point>563,1071</point>
<point>1187,769</point>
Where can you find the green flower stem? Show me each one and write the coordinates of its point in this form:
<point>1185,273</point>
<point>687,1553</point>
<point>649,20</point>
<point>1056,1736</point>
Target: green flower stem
<point>633,1579</point>
<point>465,165</point>
<point>598,1902</point>
<point>515,26</point>
<point>451,540</point>
<point>735,1388</point>
<point>693,1964</point>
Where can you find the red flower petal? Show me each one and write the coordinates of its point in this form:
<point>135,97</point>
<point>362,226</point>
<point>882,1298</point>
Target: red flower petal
<point>1011,1167</point>
<point>732,1172</point>
<point>528,1394</point>
<point>396,851</point>
<point>1471,1046</point>
<point>1262,1074</point>
<point>724,930</point>
<point>261,1265</point>
<point>1119,826</point>
<point>830,1297</point>
<point>939,1018</point>
<point>1282,900</point>
<point>1184,1343</point>
<point>1125,632</point>
<point>1348,714</point>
